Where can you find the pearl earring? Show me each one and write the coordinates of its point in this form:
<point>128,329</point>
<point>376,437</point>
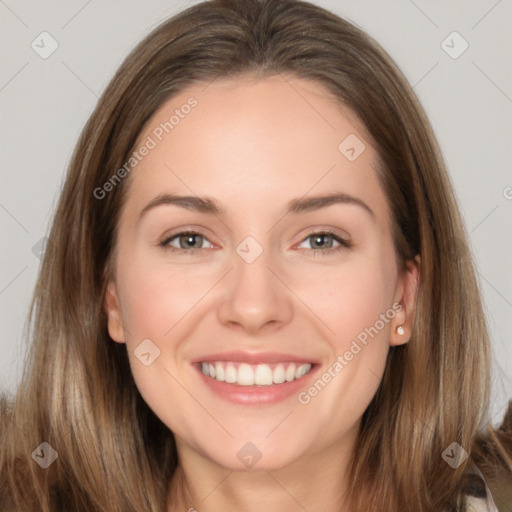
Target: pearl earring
<point>400,329</point>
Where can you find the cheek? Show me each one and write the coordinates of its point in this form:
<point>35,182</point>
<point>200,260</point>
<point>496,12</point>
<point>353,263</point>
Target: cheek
<point>348,300</point>
<point>155,301</point>
<point>355,304</point>
<point>156,297</point>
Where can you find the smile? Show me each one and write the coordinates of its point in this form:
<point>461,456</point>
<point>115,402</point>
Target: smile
<point>243,374</point>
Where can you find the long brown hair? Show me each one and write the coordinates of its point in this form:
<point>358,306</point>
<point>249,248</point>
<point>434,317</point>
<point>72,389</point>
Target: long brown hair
<point>77,392</point>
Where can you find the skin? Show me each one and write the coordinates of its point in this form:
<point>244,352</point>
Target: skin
<point>253,145</point>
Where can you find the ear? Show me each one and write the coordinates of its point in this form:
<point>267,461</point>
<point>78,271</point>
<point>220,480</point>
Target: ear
<point>113,311</point>
<point>406,297</point>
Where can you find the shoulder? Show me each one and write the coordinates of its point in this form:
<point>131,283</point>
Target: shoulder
<point>491,457</point>
<point>480,505</point>
<point>477,492</point>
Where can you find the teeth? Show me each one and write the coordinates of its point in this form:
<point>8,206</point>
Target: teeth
<point>219,372</point>
<point>245,375</point>
<point>279,375</point>
<point>301,371</point>
<point>262,375</point>
<point>231,374</point>
<point>249,375</point>
<point>290,373</point>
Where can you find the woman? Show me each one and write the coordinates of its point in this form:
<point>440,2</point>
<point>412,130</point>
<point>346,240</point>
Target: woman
<point>250,373</point>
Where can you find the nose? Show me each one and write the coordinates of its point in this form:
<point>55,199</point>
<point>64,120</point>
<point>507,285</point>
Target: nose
<point>256,297</point>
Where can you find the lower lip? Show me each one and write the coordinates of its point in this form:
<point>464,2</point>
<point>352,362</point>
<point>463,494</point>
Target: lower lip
<point>256,394</point>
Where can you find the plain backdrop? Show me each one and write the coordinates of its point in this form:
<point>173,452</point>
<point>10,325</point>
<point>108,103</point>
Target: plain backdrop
<point>45,102</point>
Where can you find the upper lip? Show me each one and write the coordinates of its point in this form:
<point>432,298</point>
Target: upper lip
<point>254,358</point>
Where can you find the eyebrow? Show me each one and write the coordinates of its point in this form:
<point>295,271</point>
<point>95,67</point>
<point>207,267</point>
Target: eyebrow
<point>295,206</point>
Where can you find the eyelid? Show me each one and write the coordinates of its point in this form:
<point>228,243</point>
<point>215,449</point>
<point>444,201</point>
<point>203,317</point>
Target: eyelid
<point>164,241</point>
<point>344,242</point>
<point>183,230</point>
<point>334,232</point>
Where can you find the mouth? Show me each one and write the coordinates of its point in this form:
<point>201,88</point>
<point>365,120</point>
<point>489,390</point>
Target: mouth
<point>244,374</point>
<point>245,379</point>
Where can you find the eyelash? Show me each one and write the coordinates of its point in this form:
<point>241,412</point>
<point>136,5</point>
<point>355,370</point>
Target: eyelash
<point>344,244</point>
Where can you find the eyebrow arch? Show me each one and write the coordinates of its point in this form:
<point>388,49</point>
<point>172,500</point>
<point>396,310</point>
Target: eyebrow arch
<point>193,203</point>
<point>310,203</point>
<point>295,206</point>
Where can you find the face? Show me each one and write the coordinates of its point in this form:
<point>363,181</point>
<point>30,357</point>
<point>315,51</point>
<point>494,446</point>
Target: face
<point>288,303</point>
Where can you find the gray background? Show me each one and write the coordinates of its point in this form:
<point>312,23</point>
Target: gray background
<point>45,103</point>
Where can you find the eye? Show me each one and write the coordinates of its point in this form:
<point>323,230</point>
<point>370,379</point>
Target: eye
<point>191,241</point>
<point>322,247</point>
<point>188,241</point>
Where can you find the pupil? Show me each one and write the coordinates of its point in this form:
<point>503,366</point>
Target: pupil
<point>190,240</point>
<point>318,237</point>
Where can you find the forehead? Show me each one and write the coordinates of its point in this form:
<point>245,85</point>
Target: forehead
<point>247,140</point>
